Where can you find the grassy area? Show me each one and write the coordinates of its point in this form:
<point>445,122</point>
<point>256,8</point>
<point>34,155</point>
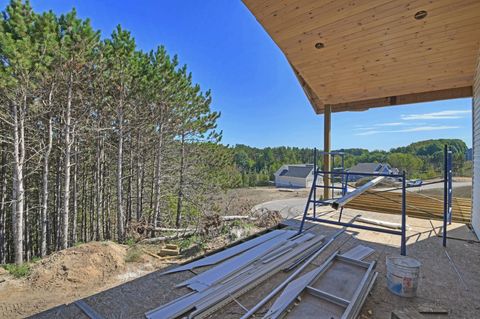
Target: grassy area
<point>461,191</point>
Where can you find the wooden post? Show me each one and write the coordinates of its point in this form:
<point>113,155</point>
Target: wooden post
<point>326,148</point>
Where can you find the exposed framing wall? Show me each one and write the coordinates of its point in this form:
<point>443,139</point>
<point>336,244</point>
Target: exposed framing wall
<point>476,151</point>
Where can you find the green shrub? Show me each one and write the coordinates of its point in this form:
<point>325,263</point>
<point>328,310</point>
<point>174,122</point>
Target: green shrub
<point>18,271</point>
<point>130,242</point>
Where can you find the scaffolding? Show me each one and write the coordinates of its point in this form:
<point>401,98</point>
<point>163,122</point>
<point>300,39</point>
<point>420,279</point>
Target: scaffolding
<point>341,174</point>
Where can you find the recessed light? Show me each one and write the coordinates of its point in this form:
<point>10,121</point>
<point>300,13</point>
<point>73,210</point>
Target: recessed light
<point>420,15</point>
<point>319,45</point>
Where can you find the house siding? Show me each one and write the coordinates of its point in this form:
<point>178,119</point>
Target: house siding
<point>288,181</point>
<point>476,152</point>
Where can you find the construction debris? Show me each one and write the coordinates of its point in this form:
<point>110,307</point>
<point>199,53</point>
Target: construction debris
<point>217,286</point>
<point>418,205</point>
<point>406,313</point>
<point>381,223</point>
<point>162,239</point>
<point>230,252</point>
<point>337,289</point>
<point>294,274</point>
<point>237,217</point>
<point>169,252</point>
<point>359,252</point>
<point>87,310</point>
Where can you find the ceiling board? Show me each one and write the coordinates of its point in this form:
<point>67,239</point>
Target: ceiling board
<point>376,49</point>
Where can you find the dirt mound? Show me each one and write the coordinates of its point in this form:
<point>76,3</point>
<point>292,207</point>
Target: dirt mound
<point>77,266</point>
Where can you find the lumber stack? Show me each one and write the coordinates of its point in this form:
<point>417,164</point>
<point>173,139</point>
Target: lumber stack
<point>419,206</point>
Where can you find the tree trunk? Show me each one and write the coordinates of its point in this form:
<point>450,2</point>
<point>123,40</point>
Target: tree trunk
<point>129,187</point>
<point>75,193</point>
<point>158,165</point>
<point>44,211</point>
<point>96,182</point>
<point>180,183</point>
<point>18,192</point>
<point>139,189</point>
<point>120,212</point>
<point>139,180</point>
<point>68,147</point>
<point>3,196</point>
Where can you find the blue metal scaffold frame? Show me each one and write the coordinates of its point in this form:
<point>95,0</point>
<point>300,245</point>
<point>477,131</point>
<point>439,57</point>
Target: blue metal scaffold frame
<point>447,191</point>
<point>341,172</point>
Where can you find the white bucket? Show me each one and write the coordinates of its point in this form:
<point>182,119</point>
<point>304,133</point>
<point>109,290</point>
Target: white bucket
<point>403,274</point>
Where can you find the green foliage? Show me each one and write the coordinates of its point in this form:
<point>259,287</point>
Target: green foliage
<point>130,242</point>
<point>420,159</point>
<point>18,271</point>
<point>190,241</point>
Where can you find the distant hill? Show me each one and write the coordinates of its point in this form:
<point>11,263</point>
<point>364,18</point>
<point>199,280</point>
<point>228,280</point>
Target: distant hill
<point>422,159</point>
<point>430,147</point>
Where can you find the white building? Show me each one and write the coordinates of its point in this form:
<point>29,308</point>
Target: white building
<point>296,176</point>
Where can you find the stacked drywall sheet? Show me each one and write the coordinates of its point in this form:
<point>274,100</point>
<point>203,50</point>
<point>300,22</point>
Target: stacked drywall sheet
<point>336,289</point>
<point>238,273</point>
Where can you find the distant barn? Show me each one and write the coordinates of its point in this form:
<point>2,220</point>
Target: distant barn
<point>295,176</point>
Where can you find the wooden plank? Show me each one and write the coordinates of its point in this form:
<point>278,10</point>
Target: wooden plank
<point>404,88</point>
<point>430,207</point>
<point>428,55</point>
<point>404,99</point>
<point>406,313</point>
<point>456,17</point>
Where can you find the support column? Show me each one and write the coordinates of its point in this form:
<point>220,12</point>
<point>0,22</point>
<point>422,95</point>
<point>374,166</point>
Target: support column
<point>327,121</point>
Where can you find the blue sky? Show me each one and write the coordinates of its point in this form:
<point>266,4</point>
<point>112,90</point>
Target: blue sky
<point>253,86</point>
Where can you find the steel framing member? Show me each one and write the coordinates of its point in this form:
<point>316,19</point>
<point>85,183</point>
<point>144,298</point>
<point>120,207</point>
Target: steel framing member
<point>305,284</point>
<point>447,191</point>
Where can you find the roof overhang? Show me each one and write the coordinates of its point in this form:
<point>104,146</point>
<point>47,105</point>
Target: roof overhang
<point>354,55</point>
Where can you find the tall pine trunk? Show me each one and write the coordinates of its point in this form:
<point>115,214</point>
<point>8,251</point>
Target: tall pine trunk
<point>120,212</point>
<point>158,174</point>
<point>180,183</point>
<point>44,211</point>
<point>66,183</point>
<point>75,192</point>
<point>18,191</point>
<point>3,213</point>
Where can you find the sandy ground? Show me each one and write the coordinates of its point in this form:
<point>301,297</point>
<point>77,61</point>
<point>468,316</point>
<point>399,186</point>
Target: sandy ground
<point>440,285</point>
<point>117,289</point>
<point>69,275</point>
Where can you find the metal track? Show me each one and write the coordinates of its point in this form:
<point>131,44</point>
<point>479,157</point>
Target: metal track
<point>87,310</point>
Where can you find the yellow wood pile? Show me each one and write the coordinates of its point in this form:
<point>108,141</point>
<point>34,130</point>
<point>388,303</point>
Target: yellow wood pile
<point>420,206</point>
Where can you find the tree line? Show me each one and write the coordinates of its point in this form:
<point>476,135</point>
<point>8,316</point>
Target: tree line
<point>422,159</point>
<point>96,134</point>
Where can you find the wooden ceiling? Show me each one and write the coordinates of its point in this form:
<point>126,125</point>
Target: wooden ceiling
<point>357,54</point>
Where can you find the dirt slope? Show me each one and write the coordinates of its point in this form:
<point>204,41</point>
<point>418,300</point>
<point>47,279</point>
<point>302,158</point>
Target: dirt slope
<point>68,275</point>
